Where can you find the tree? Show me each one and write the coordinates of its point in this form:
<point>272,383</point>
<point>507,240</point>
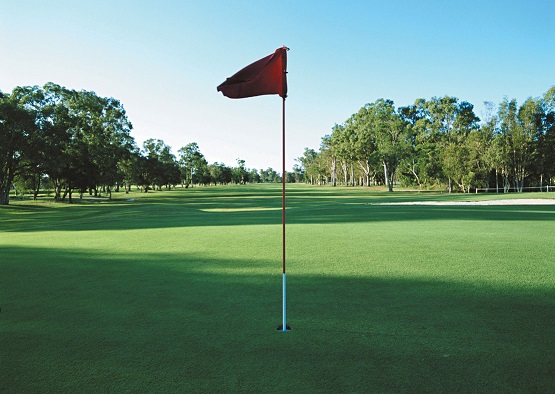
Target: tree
<point>32,168</point>
<point>413,165</point>
<point>308,161</point>
<point>129,169</point>
<point>254,176</point>
<point>298,173</point>
<point>361,129</point>
<point>442,112</point>
<point>78,137</point>
<point>546,140</point>
<point>327,150</point>
<point>220,173</point>
<point>164,167</point>
<point>463,148</point>
<point>520,128</point>
<point>101,136</point>
<point>381,139</point>
<point>391,139</point>
<point>269,175</point>
<point>16,127</point>
<point>240,175</point>
<point>342,138</point>
<point>192,164</point>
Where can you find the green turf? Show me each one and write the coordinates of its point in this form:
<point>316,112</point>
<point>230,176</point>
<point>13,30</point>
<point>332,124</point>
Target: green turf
<point>181,292</point>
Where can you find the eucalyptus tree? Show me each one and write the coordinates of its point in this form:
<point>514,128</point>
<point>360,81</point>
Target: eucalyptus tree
<point>254,176</point>
<point>413,164</point>
<point>327,151</point>
<point>492,154</point>
<point>82,137</point>
<point>298,173</point>
<point>100,138</point>
<point>37,141</point>
<point>546,141</point>
<point>128,168</point>
<point>192,163</point>
<point>240,175</point>
<point>442,112</point>
<point>310,165</point>
<point>220,173</point>
<point>392,139</point>
<point>343,139</point>
<point>363,128</point>
<point>509,136</point>
<point>322,168</point>
<point>144,171</point>
<point>525,139</point>
<point>424,137</point>
<point>165,169</point>
<point>215,170</point>
<point>116,144</point>
<point>463,154</point>
<point>520,128</point>
<point>17,124</point>
<point>269,175</point>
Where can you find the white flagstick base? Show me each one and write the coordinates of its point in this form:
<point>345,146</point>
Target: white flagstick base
<point>284,327</point>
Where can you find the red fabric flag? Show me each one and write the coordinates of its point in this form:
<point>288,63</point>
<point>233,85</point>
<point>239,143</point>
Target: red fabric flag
<point>265,76</point>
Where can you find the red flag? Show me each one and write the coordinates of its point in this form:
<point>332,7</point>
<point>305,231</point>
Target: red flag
<point>265,76</point>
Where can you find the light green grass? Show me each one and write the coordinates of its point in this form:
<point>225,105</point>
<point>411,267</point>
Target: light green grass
<point>181,292</point>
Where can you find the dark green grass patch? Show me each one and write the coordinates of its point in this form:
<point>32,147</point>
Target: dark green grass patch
<point>181,292</point>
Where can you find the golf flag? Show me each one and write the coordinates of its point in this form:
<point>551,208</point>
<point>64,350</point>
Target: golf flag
<point>265,76</point>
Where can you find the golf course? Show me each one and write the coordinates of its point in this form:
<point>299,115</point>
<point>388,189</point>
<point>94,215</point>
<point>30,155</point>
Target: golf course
<point>180,291</point>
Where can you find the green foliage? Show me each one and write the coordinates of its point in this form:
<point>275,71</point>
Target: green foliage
<point>179,291</point>
<point>17,142</point>
<point>439,142</point>
<point>80,141</point>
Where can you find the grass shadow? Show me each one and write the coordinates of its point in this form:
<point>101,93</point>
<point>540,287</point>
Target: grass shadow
<point>77,320</point>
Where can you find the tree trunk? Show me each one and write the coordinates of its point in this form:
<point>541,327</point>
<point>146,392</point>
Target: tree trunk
<point>4,196</point>
<point>5,186</point>
<point>333,168</point>
<point>415,176</point>
<point>70,191</point>
<point>366,169</point>
<point>36,190</point>
<point>58,190</point>
<point>386,175</point>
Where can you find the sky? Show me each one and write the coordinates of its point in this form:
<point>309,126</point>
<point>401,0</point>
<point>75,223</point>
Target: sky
<point>164,59</point>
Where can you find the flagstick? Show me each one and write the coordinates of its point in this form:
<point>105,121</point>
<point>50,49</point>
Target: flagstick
<point>283,176</point>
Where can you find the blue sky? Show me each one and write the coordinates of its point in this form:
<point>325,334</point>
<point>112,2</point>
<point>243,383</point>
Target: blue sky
<point>164,59</point>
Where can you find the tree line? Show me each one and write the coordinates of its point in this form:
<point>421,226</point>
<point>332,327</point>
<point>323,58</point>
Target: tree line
<point>440,143</point>
<point>76,141</point>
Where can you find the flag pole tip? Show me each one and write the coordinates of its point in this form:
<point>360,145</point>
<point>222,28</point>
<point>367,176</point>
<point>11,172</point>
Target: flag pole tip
<point>287,328</point>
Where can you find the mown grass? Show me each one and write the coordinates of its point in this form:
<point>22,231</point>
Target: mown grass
<point>181,292</point>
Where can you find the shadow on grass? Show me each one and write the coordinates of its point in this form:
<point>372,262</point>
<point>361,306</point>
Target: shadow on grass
<point>223,208</point>
<point>78,321</point>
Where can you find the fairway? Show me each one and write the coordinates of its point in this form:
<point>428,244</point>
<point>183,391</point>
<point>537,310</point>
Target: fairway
<point>180,291</point>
